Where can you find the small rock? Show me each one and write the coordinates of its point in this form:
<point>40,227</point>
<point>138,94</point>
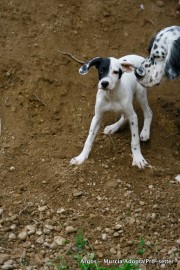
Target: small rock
<point>160,3</point>
<point>49,227</point>
<point>70,229</point>
<point>53,246</point>
<point>40,239</point>
<point>38,261</point>
<point>30,227</point>
<point>1,211</point>
<point>177,178</point>
<point>77,193</point>
<point>104,236</point>
<point>178,265</point>
<point>60,210</point>
<point>3,258</point>
<point>132,221</point>
<point>12,236</point>
<point>59,240</point>
<point>31,232</point>
<point>178,241</point>
<point>113,251</point>
<point>22,235</point>
<point>99,254</point>
<point>13,226</point>
<point>119,254</point>
<point>142,203</point>
<point>116,234</point>
<point>163,266</point>
<point>39,232</point>
<point>7,267</point>
<point>42,208</point>
<point>117,227</point>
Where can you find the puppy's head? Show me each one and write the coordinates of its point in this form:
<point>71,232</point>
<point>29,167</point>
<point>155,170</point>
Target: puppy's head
<point>163,60</point>
<point>110,71</point>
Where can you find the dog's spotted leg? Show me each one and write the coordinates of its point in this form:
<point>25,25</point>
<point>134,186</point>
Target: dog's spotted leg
<point>138,159</point>
<point>94,127</point>
<point>143,102</point>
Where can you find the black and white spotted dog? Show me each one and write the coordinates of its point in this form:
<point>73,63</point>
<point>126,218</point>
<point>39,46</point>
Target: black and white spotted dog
<point>116,88</point>
<point>163,59</point>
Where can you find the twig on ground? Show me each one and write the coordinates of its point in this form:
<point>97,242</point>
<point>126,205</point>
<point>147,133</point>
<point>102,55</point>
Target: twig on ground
<point>70,55</point>
<point>40,100</point>
<point>4,103</point>
<point>24,208</point>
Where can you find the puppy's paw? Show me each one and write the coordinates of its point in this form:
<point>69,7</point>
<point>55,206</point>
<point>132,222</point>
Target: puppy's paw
<point>145,135</point>
<point>111,129</point>
<point>139,161</point>
<point>78,160</point>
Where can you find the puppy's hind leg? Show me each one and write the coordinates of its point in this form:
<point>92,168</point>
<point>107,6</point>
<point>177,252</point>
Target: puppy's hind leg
<point>141,96</point>
<point>111,129</point>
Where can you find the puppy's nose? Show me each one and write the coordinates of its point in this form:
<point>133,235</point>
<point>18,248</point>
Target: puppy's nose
<point>139,72</point>
<point>104,84</point>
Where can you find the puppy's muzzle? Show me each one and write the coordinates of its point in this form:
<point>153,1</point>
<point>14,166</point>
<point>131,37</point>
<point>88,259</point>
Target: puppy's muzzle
<point>139,72</point>
<point>104,84</point>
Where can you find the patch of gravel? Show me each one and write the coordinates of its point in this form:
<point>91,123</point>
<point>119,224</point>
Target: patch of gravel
<point>38,240</point>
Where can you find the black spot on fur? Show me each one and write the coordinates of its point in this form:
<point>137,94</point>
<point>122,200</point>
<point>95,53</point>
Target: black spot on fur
<point>103,68</point>
<point>120,72</point>
<point>155,46</point>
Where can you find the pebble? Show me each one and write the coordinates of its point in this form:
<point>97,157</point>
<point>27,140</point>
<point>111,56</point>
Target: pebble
<point>132,221</point>
<point>113,251</point>
<point>49,227</point>
<point>104,236</point>
<point>99,254</point>
<point>59,240</point>
<point>160,3</point>
<point>77,193</point>
<point>42,208</point>
<point>3,258</point>
<point>70,229</point>
<point>1,211</point>
<point>12,236</point>
<point>53,246</point>
<point>60,210</point>
<point>40,239</point>
<point>22,235</point>
<point>7,267</point>
<point>116,234</point>
<point>117,227</point>
<point>13,226</point>
<point>30,227</point>
<point>119,254</point>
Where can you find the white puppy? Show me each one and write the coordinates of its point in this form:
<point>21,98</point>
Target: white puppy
<point>116,88</point>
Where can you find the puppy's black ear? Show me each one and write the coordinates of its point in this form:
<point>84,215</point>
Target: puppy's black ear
<point>151,44</point>
<point>94,62</point>
<point>172,68</point>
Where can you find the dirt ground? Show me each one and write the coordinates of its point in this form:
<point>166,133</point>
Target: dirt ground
<point>46,108</point>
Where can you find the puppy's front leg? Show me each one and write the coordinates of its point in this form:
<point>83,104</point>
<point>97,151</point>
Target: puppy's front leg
<point>94,127</point>
<point>138,158</point>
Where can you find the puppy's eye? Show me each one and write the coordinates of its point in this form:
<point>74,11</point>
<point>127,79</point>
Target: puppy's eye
<point>101,70</point>
<point>116,72</point>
